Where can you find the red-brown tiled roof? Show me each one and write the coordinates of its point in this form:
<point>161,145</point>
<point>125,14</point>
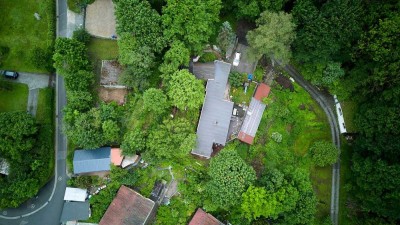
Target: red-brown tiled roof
<point>203,218</point>
<point>262,91</point>
<point>116,156</point>
<point>128,208</point>
<point>245,137</point>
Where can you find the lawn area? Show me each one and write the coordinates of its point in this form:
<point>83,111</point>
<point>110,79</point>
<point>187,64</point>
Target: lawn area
<point>21,32</point>
<point>44,113</point>
<point>349,110</point>
<point>238,95</point>
<point>15,99</point>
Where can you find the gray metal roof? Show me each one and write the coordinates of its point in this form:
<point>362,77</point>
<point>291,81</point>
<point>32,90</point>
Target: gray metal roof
<point>253,117</point>
<point>96,160</point>
<point>73,211</point>
<point>216,112</point>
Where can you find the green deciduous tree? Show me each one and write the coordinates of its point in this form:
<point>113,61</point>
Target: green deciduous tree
<point>327,33</point>
<point>226,36</point>
<point>230,176</point>
<point>178,55</point>
<point>273,36</point>
<point>251,9</point>
<point>155,100</point>
<point>235,79</point>
<point>111,131</point>
<point>70,56</point>
<point>185,91</point>
<point>17,134</point>
<point>137,18</point>
<point>80,80</point>
<point>79,100</point>
<point>323,153</point>
<point>86,130</point>
<point>170,140</point>
<point>258,202</point>
<point>134,142</point>
<point>190,21</point>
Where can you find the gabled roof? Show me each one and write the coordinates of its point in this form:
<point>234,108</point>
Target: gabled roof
<point>262,91</point>
<point>73,211</point>
<point>128,208</point>
<point>254,114</point>
<point>96,160</point>
<point>203,218</point>
<point>116,156</point>
<point>216,112</point>
<point>75,194</point>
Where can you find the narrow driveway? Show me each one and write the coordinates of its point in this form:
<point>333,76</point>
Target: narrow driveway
<point>245,65</point>
<point>327,106</point>
<point>34,82</point>
<point>45,209</point>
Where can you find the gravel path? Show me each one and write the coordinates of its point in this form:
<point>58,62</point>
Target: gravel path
<point>100,19</point>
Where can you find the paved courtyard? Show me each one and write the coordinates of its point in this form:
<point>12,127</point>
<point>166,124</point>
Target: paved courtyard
<point>100,19</point>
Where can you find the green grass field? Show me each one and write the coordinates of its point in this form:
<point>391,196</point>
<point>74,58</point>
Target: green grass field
<point>44,113</point>
<point>21,32</point>
<point>15,99</point>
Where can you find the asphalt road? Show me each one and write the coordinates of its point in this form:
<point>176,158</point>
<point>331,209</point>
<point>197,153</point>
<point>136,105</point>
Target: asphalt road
<point>45,209</point>
<point>327,106</point>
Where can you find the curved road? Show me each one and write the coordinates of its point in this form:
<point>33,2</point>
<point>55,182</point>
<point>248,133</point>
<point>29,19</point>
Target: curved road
<point>46,207</point>
<point>327,107</point>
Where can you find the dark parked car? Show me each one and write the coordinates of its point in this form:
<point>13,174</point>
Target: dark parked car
<point>10,74</point>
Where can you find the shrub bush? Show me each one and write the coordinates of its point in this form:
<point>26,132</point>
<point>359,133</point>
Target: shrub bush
<point>323,153</point>
<point>208,57</point>
<point>82,35</point>
<point>42,59</point>
<point>236,79</point>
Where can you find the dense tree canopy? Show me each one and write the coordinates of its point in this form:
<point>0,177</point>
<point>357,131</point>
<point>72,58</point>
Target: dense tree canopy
<point>155,100</point>
<point>251,9</point>
<point>178,55</point>
<point>137,18</point>
<point>230,177</point>
<point>323,153</point>
<point>172,139</point>
<point>272,37</point>
<point>25,147</point>
<point>190,21</point>
<point>185,90</point>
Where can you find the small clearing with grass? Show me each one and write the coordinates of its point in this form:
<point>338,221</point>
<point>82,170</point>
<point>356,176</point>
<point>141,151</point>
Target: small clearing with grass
<point>101,49</point>
<point>21,32</point>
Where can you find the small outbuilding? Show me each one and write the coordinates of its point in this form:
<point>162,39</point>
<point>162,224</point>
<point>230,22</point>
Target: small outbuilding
<point>203,218</point>
<point>75,194</point>
<point>91,161</point>
<point>129,207</point>
<point>254,114</point>
<point>74,211</point>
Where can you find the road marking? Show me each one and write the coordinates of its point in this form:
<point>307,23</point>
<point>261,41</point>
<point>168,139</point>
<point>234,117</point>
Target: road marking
<point>60,178</point>
<point>5,213</point>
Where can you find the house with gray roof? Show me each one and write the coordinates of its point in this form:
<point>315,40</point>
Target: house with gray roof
<point>90,161</point>
<point>74,211</point>
<point>216,113</point>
